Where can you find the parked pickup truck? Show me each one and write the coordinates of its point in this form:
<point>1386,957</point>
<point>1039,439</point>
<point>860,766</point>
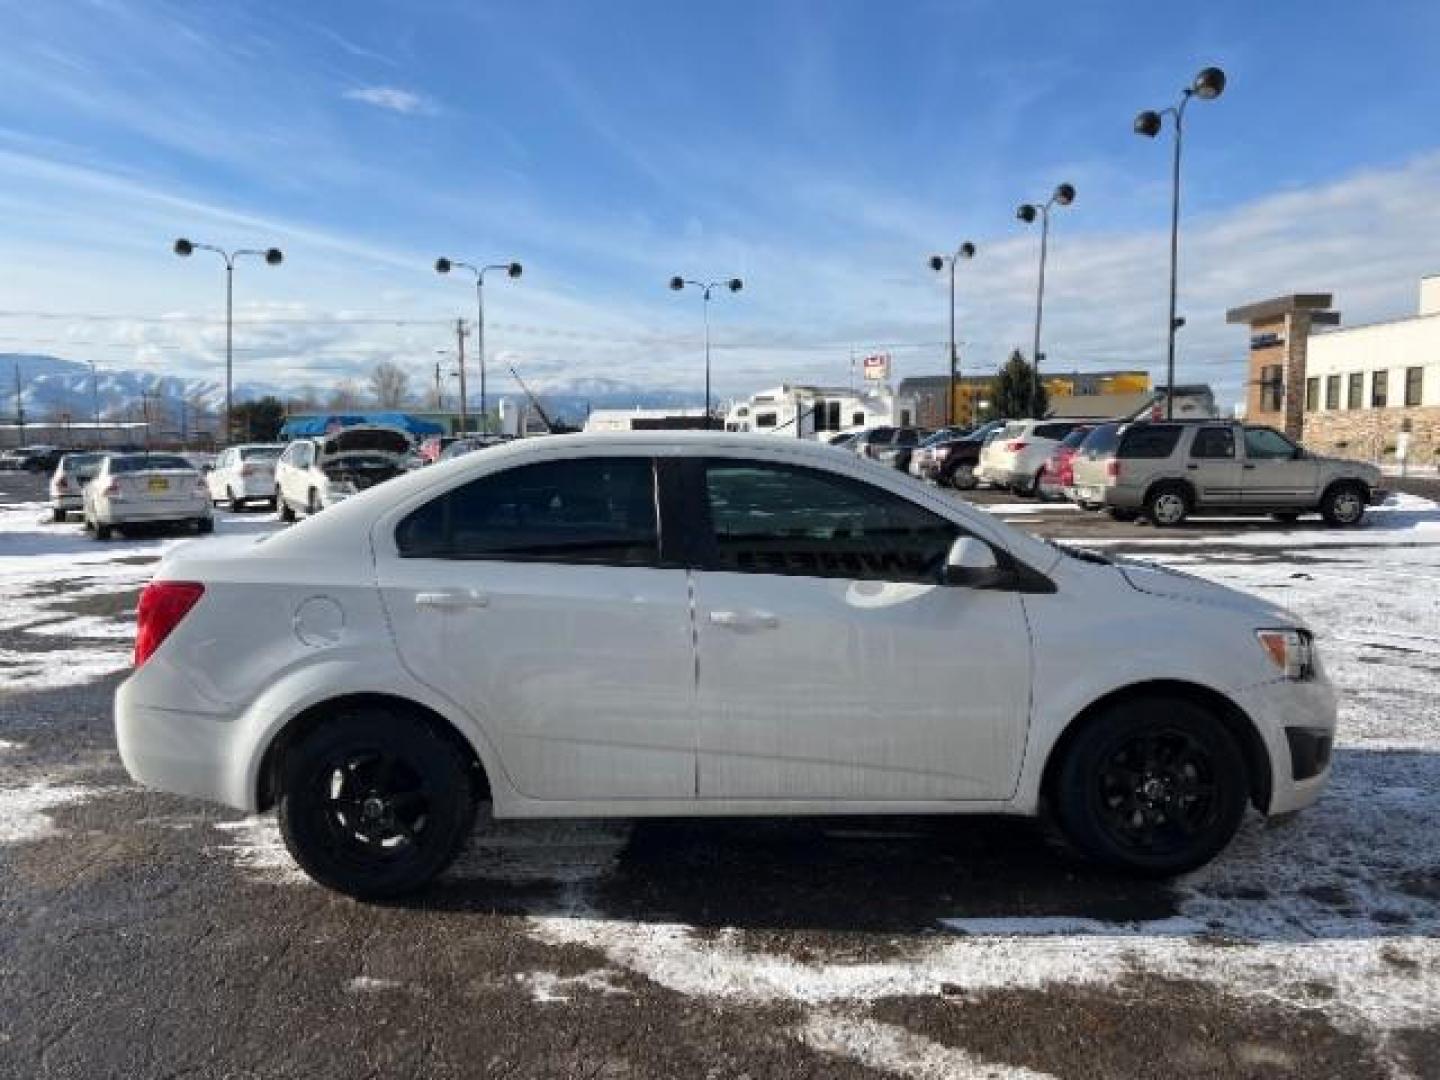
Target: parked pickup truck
<point>1168,471</point>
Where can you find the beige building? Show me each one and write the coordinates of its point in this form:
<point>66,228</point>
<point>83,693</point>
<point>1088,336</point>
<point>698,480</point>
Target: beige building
<point>1361,391</point>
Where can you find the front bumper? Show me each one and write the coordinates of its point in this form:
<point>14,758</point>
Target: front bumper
<point>1293,719</point>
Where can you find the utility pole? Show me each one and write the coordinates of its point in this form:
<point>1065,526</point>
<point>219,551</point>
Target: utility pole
<point>460,333</point>
<point>95,396</point>
<point>439,389</point>
<point>19,406</point>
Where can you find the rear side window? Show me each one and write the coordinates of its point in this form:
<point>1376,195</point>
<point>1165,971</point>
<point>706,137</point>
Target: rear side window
<point>1075,438</point>
<point>781,519</point>
<point>1149,441</point>
<point>1214,442</point>
<point>588,510</point>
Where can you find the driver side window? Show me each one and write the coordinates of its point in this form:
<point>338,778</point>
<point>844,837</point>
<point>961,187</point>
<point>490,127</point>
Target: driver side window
<point>1264,444</point>
<point>782,519</point>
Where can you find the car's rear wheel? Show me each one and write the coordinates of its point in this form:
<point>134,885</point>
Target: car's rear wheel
<point>312,503</point>
<point>102,532</point>
<point>1155,786</point>
<point>1343,505</point>
<point>375,803</point>
<point>1167,505</point>
<point>204,525</point>
<point>963,478</point>
<point>287,514</point>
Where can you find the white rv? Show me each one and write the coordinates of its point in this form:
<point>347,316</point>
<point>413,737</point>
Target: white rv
<point>803,412</point>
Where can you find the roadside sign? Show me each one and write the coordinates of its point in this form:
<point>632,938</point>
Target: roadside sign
<point>877,367</point>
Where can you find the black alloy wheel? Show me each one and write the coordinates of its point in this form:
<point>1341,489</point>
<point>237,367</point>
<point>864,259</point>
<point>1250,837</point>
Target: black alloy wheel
<point>375,804</point>
<point>1154,786</point>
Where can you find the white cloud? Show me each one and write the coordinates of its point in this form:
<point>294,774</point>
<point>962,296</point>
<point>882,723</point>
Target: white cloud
<point>405,102</point>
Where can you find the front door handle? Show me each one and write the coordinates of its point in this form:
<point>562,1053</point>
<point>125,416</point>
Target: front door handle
<point>1192,465</point>
<point>744,620</point>
<point>451,601</point>
<point>1247,466</point>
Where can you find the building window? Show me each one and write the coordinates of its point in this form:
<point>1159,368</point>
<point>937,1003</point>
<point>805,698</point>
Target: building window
<point>1332,392</point>
<point>1414,383</point>
<point>1379,389</point>
<point>1355,392</point>
<point>1312,394</point>
<point>1272,387</point>
<point>765,419</point>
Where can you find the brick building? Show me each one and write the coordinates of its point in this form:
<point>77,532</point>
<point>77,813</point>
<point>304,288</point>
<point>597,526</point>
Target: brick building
<point>1354,391</point>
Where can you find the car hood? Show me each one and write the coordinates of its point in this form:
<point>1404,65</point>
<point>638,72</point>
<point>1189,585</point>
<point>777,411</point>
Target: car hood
<point>1157,580</point>
<point>367,440</point>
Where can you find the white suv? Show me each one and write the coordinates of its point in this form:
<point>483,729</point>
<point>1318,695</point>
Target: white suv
<point>1016,457</point>
<point>663,624</point>
<point>244,474</point>
<point>312,474</point>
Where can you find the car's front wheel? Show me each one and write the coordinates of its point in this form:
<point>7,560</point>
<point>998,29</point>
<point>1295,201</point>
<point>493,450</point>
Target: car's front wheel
<point>1167,505</point>
<point>287,513</point>
<point>1156,786</point>
<point>963,478</point>
<point>375,803</point>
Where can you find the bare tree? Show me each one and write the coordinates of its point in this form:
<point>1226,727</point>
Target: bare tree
<point>389,385</point>
<point>345,396</point>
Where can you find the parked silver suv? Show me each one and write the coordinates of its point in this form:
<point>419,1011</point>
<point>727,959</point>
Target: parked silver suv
<point>1168,471</point>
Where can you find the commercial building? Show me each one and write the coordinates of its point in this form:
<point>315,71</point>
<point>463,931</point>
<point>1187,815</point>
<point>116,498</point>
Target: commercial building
<point>1370,391</point>
<point>972,393</point>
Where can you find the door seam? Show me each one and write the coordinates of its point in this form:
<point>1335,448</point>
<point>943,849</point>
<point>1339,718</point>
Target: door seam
<point>695,670</point>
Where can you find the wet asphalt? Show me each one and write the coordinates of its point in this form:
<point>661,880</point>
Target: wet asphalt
<point>140,938</point>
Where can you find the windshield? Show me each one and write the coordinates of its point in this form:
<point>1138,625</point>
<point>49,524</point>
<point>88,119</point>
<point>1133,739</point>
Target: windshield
<point>260,453</point>
<point>78,462</point>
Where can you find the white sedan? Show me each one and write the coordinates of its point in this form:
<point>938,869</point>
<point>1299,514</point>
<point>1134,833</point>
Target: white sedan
<point>315,473</point>
<point>244,474</point>
<point>705,624</point>
<point>146,489</point>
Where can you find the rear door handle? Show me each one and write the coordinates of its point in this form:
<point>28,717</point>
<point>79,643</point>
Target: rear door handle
<point>451,601</point>
<point>744,620</point>
<point>1192,466</point>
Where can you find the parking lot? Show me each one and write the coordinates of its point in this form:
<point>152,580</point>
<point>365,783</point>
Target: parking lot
<point>143,935</point>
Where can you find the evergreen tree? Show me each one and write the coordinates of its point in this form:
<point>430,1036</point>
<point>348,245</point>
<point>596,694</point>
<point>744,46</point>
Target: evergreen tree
<point>1015,393</point>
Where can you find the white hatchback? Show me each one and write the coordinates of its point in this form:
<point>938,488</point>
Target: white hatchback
<point>1016,457</point>
<point>705,624</point>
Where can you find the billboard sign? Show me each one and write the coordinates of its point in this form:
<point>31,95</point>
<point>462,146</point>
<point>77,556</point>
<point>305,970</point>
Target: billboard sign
<point>877,367</point>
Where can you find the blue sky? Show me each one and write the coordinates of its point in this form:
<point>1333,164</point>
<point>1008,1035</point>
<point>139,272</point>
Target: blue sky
<point>819,150</point>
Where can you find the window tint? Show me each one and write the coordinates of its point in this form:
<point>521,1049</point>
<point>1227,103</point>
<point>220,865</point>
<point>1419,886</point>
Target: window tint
<point>143,462</point>
<point>1148,441</point>
<point>588,510</point>
<point>1265,444</point>
<point>1214,442</point>
<point>1075,438</point>
<point>260,453</point>
<point>777,519</point>
<point>907,437</point>
<point>1053,431</point>
<point>1102,440</point>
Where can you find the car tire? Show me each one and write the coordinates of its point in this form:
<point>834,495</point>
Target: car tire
<point>59,516</point>
<point>103,532</point>
<point>375,803</point>
<point>287,513</point>
<point>1154,786</point>
<point>1343,505</point>
<point>312,504</point>
<point>963,478</point>
<point>1167,505</point>
<point>1117,514</point>
<point>204,526</point>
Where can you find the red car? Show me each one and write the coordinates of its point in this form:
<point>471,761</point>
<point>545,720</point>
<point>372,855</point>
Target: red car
<point>431,448</point>
<point>1058,475</point>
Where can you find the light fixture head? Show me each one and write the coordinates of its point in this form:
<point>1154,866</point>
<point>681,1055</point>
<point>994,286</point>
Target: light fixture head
<point>937,263</point>
<point>967,250</point>
<point>442,265</point>
<point>734,284</point>
<point>1064,194</point>
<point>1148,124</point>
<point>514,270</point>
<point>677,283</point>
<point>274,257</point>
<point>184,247</point>
<point>1026,212</point>
<point>1209,84</point>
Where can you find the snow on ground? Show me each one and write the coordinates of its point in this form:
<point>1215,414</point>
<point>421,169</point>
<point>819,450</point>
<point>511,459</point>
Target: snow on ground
<point>1337,909</point>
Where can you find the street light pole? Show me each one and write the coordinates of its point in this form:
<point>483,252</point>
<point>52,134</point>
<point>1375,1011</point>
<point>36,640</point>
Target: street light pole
<point>938,263</point>
<point>272,257</point>
<point>95,400</point>
<point>1208,85</point>
<point>1063,195</point>
<point>706,288</point>
<point>512,270</point>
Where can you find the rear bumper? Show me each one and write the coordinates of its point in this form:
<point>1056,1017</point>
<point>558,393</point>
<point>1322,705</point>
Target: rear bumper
<point>139,513</point>
<point>1003,475</point>
<point>184,753</point>
<point>67,502</point>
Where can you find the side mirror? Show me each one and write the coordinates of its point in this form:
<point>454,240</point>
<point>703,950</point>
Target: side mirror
<point>971,563</point>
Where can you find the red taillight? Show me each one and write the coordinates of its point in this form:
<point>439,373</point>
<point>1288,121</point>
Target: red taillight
<point>162,605</point>
<point>1014,446</point>
<point>1112,469</point>
<point>61,484</point>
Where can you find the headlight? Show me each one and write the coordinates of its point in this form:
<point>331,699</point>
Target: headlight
<point>1292,651</point>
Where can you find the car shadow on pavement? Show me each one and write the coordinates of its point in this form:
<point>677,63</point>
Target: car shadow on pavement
<point>1361,863</point>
